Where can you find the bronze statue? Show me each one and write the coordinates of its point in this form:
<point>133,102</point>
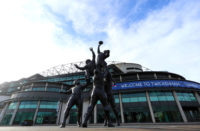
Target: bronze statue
<point>98,93</point>
<point>75,99</point>
<point>89,67</point>
<point>111,100</point>
<point>101,90</point>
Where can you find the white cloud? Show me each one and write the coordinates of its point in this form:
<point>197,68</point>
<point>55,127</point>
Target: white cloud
<point>166,40</point>
<point>29,43</point>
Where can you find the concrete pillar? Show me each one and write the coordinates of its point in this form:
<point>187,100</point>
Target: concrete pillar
<point>155,76</point>
<point>95,114</point>
<point>138,77</point>
<point>61,90</point>
<point>62,113</point>
<point>179,106</point>
<point>198,98</point>
<point>85,107</point>
<point>121,108</point>
<point>3,111</point>
<point>36,112</point>
<point>150,107</point>
<point>120,77</point>
<point>169,76</point>
<point>32,86</point>
<point>46,87</point>
<point>59,113</point>
<point>14,113</point>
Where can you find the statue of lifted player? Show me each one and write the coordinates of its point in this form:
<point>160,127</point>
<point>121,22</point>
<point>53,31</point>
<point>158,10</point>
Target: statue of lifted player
<point>89,67</point>
<point>75,99</point>
<point>101,63</point>
<point>98,93</point>
<point>110,97</point>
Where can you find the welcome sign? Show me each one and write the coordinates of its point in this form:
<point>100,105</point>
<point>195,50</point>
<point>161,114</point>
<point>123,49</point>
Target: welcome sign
<point>155,83</point>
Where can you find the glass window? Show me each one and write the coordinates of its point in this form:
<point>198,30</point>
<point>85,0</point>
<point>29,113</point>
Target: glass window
<point>161,96</point>
<point>12,105</point>
<point>82,82</point>
<point>46,118</point>
<point>38,89</point>
<point>73,107</point>
<point>73,117</point>
<point>48,105</point>
<point>9,112</point>
<point>166,113</point>
<point>192,114</point>
<point>53,89</point>
<point>12,89</point>
<point>23,116</point>
<point>6,119</point>
<point>27,89</point>
<point>136,113</point>
<point>28,105</point>
<point>68,82</point>
<point>186,96</point>
<point>134,97</point>
<point>116,98</point>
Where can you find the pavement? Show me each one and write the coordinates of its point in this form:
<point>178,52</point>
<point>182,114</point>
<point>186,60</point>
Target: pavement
<point>139,127</point>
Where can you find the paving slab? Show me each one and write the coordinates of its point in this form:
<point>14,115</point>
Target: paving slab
<point>101,128</point>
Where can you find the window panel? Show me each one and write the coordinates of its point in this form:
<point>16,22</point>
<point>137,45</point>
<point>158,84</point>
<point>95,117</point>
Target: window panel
<point>161,96</point>
<point>186,96</point>
<point>12,105</point>
<point>28,104</point>
<point>48,105</point>
<point>134,97</point>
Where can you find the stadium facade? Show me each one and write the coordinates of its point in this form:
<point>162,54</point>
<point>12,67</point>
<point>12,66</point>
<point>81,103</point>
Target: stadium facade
<point>141,96</point>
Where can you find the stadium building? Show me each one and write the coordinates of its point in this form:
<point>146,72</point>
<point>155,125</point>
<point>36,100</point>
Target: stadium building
<point>141,96</point>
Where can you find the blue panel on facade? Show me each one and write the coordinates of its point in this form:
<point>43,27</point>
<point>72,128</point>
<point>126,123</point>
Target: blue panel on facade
<point>155,83</point>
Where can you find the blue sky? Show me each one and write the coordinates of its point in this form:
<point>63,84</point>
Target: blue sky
<point>162,35</point>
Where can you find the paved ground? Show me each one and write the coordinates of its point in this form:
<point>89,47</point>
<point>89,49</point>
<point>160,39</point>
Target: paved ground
<point>101,128</point>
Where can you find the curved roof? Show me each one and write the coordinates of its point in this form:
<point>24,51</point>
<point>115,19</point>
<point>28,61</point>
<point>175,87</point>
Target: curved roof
<point>70,68</point>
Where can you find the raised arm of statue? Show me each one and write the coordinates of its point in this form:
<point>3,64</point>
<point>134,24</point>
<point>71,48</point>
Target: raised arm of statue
<point>68,91</point>
<point>100,43</point>
<point>93,54</point>
<point>80,68</point>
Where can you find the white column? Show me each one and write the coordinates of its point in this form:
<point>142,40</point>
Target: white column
<point>85,107</point>
<point>179,107</point>
<point>3,111</point>
<point>95,114</point>
<point>138,77</point>
<point>32,86</point>
<point>61,90</point>
<point>36,112</point>
<point>14,113</point>
<point>150,107</point>
<point>59,113</point>
<point>62,113</point>
<point>197,97</point>
<point>155,76</point>
<point>120,77</point>
<point>121,108</point>
<point>46,87</point>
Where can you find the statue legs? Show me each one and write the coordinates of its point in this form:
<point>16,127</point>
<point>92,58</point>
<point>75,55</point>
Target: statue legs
<point>89,110</point>
<point>79,106</point>
<point>111,100</point>
<point>70,103</point>
<point>95,97</point>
